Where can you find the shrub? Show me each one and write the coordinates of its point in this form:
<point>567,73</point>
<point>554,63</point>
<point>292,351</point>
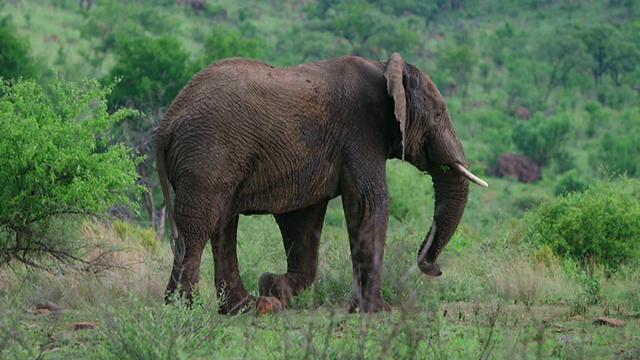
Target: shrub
<point>15,57</point>
<point>169,332</point>
<point>569,182</point>
<point>153,71</point>
<point>543,138</point>
<point>600,224</point>
<point>619,150</point>
<point>56,162</point>
<point>411,192</point>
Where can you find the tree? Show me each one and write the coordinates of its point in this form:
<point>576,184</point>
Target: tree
<point>225,41</point>
<point>15,59</point>
<point>56,162</point>
<point>610,53</point>
<point>543,138</point>
<point>368,31</point>
<point>426,9</point>
<point>619,148</point>
<point>299,44</point>
<point>554,57</point>
<point>112,20</point>
<point>153,70</point>
<point>520,87</point>
<point>459,62</point>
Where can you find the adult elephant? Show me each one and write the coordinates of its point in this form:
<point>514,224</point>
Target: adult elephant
<point>245,137</point>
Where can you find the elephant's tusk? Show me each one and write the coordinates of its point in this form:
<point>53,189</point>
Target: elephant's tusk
<point>469,175</point>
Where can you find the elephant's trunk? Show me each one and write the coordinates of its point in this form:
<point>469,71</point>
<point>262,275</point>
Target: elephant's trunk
<point>451,193</point>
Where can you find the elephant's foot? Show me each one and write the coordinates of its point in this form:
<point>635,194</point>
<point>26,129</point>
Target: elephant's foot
<point>180,293</point>
<point>371,308</point>
<point>236,303</point>
<point>429,268</point>
<point>282,287</point>
<point>267,305</point>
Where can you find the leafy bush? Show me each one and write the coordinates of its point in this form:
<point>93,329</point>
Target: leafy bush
<point>153,70</point>
<point>411,192</point>
<point>570,181</point>
<point>600,224</point>
<point>15,59</point>
<point>225,41</point>
<point>490,130</point>
<point>55,161</point>
<point>543,138</point>
<point>619,148</point>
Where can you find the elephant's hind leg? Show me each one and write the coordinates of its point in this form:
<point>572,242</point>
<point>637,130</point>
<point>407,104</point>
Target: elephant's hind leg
<point>197,219</point>
<point>301,230</point>
<point>232,295</point>
<point>185,273</point>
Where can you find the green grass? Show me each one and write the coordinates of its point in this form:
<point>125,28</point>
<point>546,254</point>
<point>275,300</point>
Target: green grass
<point>493,301</point>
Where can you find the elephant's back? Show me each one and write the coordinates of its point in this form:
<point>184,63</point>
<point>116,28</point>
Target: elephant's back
<point>237,106</point>
<point>237,95</point>
<point>232,110</point>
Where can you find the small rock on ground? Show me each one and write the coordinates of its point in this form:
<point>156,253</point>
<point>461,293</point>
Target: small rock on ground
<point>85,325</point>
<point>268,304</point>
<point>602,320</point>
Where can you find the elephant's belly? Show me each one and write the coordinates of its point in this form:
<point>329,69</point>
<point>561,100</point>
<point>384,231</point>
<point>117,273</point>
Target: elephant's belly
<point>286,193</point>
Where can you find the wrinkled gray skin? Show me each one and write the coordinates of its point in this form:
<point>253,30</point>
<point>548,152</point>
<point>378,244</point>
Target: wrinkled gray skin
<point>244,137</point>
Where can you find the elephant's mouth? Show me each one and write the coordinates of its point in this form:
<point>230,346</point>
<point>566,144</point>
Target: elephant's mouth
<point>460,170</point>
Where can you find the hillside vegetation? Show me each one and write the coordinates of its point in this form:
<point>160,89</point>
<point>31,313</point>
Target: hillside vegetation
<point>543,94</point>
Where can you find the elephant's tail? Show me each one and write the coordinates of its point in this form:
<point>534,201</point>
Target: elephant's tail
<point>162,174</point>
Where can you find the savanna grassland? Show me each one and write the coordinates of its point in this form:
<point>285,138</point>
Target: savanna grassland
<point>542,269</point>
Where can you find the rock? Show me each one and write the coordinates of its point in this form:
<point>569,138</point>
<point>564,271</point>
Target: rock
<point>522,113</point>
<point>524,168</point>
<point>268,304</point>
<point>41,311</point>
<point>47,305</point>
<point>85,325</point>
<point>602,320</point>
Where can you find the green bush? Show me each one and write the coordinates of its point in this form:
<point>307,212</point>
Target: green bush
<point>600,224</point>
<point>569,182</point>
<point>15,57</point>
<point>153,70</point>
<point>224,41</point>
<point>411,192</point>
<point>55,161</point>
<point>619,151</point>
<point>543,138</point>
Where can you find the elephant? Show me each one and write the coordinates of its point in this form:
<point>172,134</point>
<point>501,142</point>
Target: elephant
<point>244,137</point>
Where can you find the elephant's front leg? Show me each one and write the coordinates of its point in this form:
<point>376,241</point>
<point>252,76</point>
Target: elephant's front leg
<point>301,231</point>
<point>367,213</point>
<point>232,295</point>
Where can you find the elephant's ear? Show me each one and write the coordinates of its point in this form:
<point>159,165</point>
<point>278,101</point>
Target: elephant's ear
<point>395,89</point>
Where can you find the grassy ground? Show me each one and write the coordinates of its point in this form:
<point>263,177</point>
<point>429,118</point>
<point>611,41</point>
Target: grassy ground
<point>491,302</point>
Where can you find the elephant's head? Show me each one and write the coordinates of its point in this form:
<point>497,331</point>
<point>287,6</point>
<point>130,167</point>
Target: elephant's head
<point>430,143</point>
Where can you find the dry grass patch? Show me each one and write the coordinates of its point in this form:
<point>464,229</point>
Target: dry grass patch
<point>113,269</point>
